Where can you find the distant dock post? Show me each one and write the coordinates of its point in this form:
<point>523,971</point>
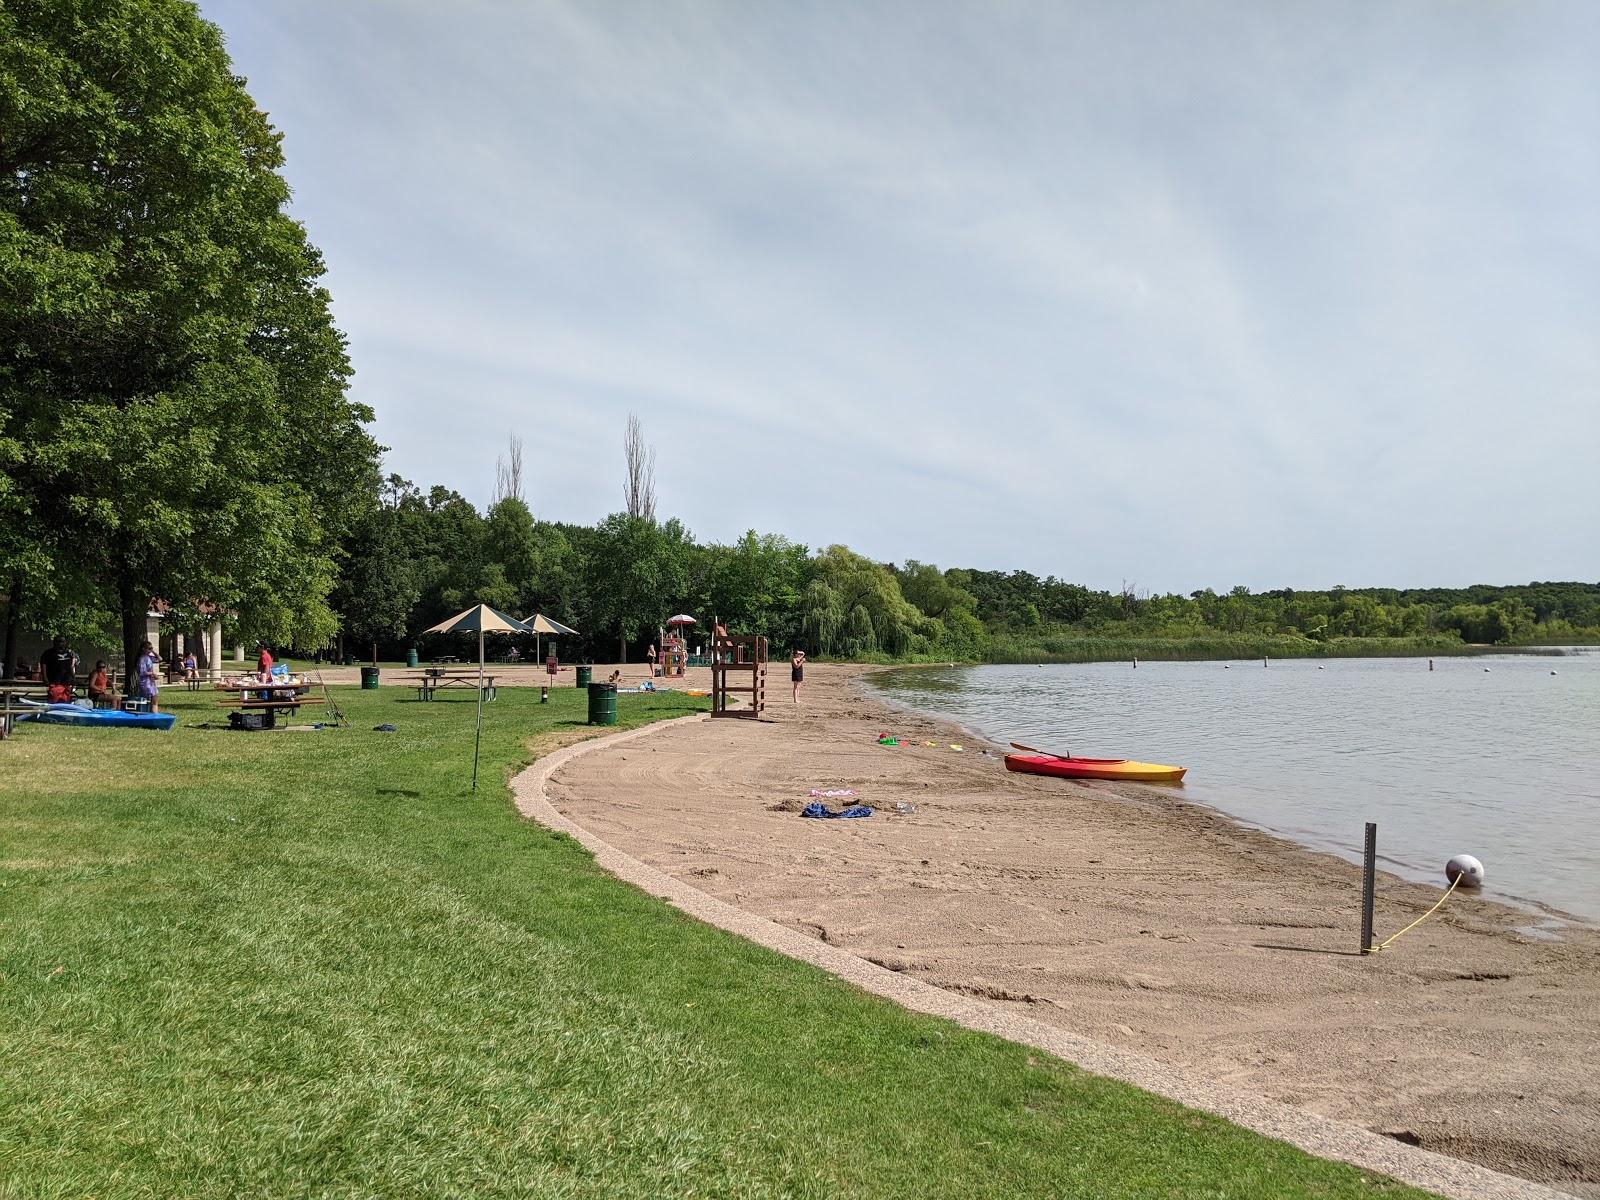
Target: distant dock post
<point>1369,871</point>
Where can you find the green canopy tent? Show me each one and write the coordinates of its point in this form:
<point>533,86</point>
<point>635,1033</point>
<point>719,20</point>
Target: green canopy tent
<point>479,619</point>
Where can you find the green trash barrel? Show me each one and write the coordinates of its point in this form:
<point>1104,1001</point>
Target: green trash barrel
<point>582,674</point>
<point>369,679</point>
<point>411,657</point>
<point>602,704</point>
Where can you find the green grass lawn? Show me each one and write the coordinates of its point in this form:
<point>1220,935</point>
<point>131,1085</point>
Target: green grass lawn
<point>314,963</point>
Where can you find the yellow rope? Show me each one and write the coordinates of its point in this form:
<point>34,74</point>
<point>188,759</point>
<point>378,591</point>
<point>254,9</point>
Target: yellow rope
<point>1459,876</point>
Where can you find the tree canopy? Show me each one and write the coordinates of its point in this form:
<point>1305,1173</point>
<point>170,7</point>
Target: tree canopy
<point>173,417</point>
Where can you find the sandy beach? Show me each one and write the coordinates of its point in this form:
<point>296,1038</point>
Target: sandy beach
<point>1126,914</point>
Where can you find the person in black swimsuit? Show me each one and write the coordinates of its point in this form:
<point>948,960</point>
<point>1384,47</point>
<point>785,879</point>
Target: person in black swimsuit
<point>797,672</point>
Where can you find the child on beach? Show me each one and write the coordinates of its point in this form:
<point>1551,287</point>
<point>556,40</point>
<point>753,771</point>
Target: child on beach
<point>797,672</point>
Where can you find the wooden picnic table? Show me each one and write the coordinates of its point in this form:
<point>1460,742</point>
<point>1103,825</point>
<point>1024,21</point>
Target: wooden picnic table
<point>436,679</point>
<point>270,698</point>
<point>12,691</point>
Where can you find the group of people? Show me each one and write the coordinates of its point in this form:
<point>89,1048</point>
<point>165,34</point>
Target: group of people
<point>58,671</point>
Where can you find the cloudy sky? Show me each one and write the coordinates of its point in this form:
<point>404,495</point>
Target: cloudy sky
<point>1174,293</point>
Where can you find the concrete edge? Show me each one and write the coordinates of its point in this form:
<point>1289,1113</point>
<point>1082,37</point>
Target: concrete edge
<point>1316,1135</point>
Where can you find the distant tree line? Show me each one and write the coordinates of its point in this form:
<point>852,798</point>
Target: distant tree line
<point>418,556</point>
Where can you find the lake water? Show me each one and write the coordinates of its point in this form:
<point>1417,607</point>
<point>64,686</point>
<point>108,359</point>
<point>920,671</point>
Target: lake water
<point>1503,764</point>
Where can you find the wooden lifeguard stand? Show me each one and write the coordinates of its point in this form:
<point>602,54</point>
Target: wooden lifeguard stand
<point>674,655</point>
<point>742,656</point>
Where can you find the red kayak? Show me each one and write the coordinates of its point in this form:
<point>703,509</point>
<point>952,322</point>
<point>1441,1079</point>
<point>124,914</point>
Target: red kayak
<point>1093,768</point>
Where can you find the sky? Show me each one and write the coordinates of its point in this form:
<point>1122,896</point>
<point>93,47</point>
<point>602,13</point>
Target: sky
<point>1177,295</point>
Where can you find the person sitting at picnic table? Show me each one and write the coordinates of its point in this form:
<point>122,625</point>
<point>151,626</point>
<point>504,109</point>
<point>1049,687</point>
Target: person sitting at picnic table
<point>24,671</point>
<point>148,687</point>
<point>59,667</point>
<point>99,685</point>
<point>191,668</point>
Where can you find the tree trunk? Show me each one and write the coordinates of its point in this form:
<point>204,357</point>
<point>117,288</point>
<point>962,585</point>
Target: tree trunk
<point>13,623</point>
<point>133,625</point>
<point>622,647</point>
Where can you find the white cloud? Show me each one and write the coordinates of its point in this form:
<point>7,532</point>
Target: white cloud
<point>1246,293</point>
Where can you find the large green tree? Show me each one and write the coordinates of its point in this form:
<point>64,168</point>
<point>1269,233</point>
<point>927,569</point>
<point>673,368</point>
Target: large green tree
<point>172,387</point>
<point>640,571</point>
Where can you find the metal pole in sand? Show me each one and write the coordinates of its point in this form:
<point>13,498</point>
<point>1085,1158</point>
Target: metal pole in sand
<point>1369,871</point>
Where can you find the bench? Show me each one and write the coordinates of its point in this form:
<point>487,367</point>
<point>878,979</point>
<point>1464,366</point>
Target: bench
<point>10,693</point>
<point>290,703</point>
<point>434,680</point>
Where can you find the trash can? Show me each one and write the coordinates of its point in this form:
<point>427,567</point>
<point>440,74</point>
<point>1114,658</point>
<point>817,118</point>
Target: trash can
<point>582,676</point>
<point>369,679</point>
<point>411,657</point>
<point>602,704</point>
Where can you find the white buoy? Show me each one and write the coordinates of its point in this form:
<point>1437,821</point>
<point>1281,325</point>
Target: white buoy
<point>1486,670</point>
<point>1468,868</point>
<point>1552,672</point>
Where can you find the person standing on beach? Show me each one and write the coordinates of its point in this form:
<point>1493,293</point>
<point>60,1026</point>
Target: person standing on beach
<point>651,655</point>
<point>797,672</point>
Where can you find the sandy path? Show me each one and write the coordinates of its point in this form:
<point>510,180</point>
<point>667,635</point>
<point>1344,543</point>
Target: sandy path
<point>1127,915</point>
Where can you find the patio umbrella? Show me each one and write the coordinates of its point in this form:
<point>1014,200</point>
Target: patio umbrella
<point>681,622</point>
<point>479,619</point>
<point>541,624</point>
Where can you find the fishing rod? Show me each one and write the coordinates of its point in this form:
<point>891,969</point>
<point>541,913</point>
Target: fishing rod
<point>327,697</point>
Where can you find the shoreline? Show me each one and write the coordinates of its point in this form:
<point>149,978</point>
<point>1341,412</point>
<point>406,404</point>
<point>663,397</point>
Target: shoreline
<point>1537,910</point>
<point>1127,915</point>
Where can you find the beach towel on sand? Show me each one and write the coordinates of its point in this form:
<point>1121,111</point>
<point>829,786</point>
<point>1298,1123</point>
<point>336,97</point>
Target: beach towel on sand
<point>821,810</point>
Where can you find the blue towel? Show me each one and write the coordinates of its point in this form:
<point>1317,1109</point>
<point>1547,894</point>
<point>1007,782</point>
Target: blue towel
<point>815,809</point>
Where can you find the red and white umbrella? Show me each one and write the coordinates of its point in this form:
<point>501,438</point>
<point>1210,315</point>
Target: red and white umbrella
<point>681,619</point>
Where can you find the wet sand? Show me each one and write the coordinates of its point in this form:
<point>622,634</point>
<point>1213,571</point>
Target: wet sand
<point>1126,914</point>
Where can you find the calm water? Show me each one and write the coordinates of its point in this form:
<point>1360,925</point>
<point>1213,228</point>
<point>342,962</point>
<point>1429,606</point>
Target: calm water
<point>1503,764</point>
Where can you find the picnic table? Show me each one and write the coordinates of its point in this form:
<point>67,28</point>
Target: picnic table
<point>268,698</point>
<point>444,658</point>
<point>436,679</point>
<point>15,695</point>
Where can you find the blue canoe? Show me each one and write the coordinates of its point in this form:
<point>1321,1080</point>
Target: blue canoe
<point>71,714</point>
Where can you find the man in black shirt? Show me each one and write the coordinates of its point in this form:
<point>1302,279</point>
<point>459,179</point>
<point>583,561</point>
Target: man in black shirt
<point>59,666</point>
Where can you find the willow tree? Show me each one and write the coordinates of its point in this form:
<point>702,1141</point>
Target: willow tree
<point>172,386</point>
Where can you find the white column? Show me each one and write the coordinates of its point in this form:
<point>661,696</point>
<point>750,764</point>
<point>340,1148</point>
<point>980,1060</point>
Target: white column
<point>238,652</point>
<point>214,651</point>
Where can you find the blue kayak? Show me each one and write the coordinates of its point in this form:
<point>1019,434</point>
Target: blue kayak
<point>71,714</point>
